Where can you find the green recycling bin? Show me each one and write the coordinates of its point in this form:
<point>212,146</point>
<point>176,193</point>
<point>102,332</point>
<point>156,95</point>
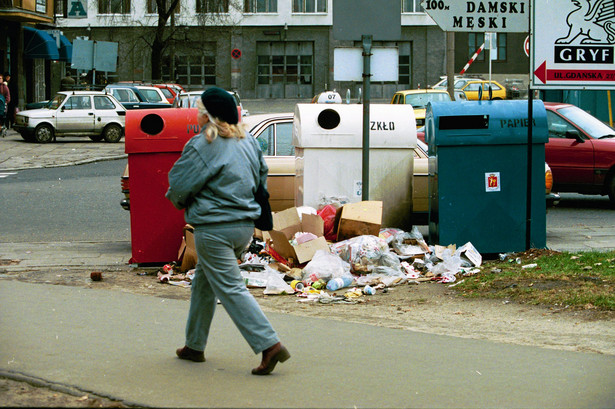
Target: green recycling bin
<point>478,174</point>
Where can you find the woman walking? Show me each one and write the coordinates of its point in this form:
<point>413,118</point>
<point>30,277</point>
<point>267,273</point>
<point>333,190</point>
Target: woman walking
<point>214,180</point>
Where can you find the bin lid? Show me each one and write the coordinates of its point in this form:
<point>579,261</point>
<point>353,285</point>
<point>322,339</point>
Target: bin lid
<point>498,122</point>
<point>341,126</point>
<point>159,130</point>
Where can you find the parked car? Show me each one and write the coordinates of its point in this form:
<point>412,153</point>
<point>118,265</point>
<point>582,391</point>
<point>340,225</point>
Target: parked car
<point>153,94</point>
<point>138,96</point>
<point>419,98</point>
<point>170,91</point>
<point>188,100</point>
<point>580,151</point>
<point>472,88</point>
<point>74,113</point>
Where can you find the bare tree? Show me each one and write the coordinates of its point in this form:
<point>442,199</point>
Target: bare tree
<point>213,11</point>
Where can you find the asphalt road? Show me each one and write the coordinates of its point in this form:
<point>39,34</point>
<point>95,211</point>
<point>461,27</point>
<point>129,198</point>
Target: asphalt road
<point>81,203</point>
<point>74,203</point>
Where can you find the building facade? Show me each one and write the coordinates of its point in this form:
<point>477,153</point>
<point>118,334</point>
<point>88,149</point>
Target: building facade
<point>260,48</point>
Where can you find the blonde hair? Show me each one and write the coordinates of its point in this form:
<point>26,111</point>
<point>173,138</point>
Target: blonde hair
<point>220,127</point>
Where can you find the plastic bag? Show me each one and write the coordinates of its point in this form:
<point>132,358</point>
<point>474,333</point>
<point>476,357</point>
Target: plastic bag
<point>363,253</point>
<point>327,213</point>
<point>450,265</point>
<point>408,244</point>
<point>325,265</point>
<point>276,284</point>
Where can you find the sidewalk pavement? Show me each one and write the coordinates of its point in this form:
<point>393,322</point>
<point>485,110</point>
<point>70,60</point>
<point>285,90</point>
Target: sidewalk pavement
<point>121,345</point>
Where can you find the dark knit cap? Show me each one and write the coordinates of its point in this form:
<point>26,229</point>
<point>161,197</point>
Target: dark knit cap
<point>220,104</point>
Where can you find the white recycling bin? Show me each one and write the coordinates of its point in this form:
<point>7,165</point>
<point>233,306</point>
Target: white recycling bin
<point>328,143</point>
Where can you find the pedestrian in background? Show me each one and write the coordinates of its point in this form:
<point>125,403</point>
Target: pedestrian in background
<point>214,180</point>
<point>12,104</point>
<point>4,91</point>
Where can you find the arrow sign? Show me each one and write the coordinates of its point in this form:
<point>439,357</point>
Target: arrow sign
<point>545,75</point>
<point>479,16</point>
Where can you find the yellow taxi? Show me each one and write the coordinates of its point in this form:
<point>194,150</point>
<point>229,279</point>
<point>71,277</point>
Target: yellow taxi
<point>471,87</point>
<point>419,98</point>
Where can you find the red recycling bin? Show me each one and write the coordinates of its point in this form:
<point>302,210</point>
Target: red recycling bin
<point>154,140</point>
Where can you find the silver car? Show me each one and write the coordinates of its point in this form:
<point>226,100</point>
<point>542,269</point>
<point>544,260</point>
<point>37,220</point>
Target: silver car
<point>74,113</point>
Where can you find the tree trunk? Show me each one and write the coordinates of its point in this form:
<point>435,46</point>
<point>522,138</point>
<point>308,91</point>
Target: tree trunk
<point>157,48</point>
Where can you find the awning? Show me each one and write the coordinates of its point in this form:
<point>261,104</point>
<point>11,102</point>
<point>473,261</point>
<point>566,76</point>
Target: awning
<point>39,44</point>
<point>66,49</point>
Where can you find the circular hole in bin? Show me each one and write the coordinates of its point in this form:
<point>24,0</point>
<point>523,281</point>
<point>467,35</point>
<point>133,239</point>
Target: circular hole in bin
<point>152,124</point>
<point>328,119</point>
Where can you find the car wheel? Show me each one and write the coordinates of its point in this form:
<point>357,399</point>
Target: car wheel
<point>112,133</point>
<point>43,133</point>
<point>96,138</point>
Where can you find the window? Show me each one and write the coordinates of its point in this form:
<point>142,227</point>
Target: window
<point>475,40</point>
<point>285,69</point>
<point>260,6</point>
<point>151,95</point>
<point>114,6</point>
<point>404,69</point>
<point>501,47</point>
<point>78,102</point>
<point>124,95</point>
<point>284,139</point>
<point>277,140</point>
<point>411,6</point>
<point>558,126</point>
<point>196,70</point>
<point>309,6</point>
<point>41,6</point>
<point>265,141</point>
<point>102,102</point>
<point>212,6</point>
<point>152,6</point>
<point>61,7</point>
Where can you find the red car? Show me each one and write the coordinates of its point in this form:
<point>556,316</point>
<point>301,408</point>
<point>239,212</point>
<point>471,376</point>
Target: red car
<point>170,91</point>
<point>580,151</point>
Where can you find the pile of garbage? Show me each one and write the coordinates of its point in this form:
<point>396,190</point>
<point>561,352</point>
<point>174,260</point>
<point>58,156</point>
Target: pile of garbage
<point>360,266</point>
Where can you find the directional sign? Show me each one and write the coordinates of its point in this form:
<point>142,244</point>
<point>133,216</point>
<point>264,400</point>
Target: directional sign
<point>481,16</point>
<point>573,44</point>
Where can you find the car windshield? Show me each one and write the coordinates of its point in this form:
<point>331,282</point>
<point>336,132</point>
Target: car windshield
<point>421,100</point>
<point>151,95</point>
<point>590,124</point>
<point>56,101</point>
<point>460,83</point>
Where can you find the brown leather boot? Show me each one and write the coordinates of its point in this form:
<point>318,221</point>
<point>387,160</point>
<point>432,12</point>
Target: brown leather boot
<point>190,354</point>
<point>271,356</point>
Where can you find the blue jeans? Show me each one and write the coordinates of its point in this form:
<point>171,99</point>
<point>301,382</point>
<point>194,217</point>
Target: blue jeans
<point>217,275</point>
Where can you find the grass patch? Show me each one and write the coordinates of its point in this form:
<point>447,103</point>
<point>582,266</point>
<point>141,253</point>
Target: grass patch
<point>568,280</point>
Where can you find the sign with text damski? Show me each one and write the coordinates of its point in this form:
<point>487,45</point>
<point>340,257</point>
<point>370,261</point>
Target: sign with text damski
<point>482,16</point>
<point>573,44</point>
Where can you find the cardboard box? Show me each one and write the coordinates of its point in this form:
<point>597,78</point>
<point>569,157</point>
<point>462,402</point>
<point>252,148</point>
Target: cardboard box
<point>187,250</point>
<point>285,224</point>
<point>358,219</point>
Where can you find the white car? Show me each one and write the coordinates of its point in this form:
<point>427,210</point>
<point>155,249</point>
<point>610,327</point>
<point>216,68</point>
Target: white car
<point>188,100</point>
<point>153,94</point>
<point>95,114</point>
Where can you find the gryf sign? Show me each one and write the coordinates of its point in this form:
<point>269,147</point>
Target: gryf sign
<point>573,44</point>
<point>472,15</point>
